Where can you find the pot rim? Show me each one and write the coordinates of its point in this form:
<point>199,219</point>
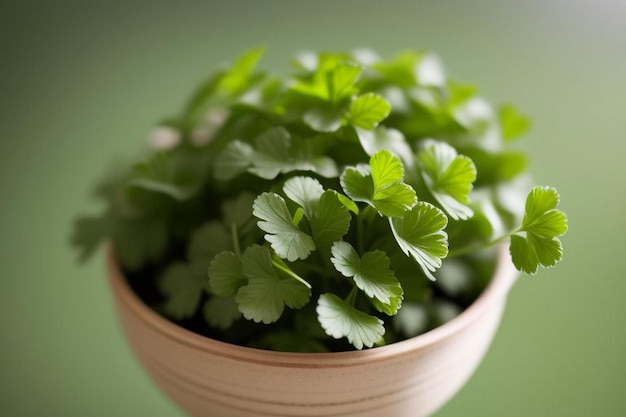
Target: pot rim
<point>503,278</point>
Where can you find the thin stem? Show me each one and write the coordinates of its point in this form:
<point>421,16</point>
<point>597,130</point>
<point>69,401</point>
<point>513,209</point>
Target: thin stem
<point>235,236</point>
<point>288,271</point>
<point>477,247</point>
<point>351,298</point>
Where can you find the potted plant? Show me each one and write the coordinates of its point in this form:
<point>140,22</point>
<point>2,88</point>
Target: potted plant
<point>333,242</point>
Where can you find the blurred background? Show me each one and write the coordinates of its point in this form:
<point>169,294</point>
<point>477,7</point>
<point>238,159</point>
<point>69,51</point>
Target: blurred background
<point>81,83</point>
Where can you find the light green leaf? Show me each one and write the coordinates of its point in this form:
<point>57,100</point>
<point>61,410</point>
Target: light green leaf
<point>341,81</point>
<point>265,296</point>
<point>420,234</point>
<point>304,191</point>
<point>449,177</point>
<point>226,274</point>
<point>287,240</point>
<point>512,122</point>
<point>340,319</point>
<point>237,78</point>
<point>183,286</point>
<point>371,274</point>
<point>331,220</point>
<point>348,203</point>
<point>221,312</point>
<point>380,184</point>
<point>538,241</point>
<point>368,110</point>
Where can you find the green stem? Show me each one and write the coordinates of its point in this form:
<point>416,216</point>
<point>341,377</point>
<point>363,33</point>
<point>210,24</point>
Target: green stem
<point>351,298</point>
<point>478,247</point>
<point>235,236</point>
<point>284,268</point>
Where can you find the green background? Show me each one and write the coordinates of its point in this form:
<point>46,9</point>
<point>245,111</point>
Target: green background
<point>82,83</point>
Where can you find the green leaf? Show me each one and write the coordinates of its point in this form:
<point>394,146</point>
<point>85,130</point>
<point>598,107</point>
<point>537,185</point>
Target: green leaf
<point>265,296</point>
<point>234,160</point>
<point>340,319</point>
<point>331,220</point>
<point>371,274</point>
<point>380,184</point>
<point>221,312</point>
<point>304,191</point>
<point>272,154</point>
<point>348,203</point>
<point>382,138</point>
<point>88,233</point>
<point>287,240</point>
<point>226,274</point>
<point>183,286</point>
<point>512,123</point>
<point>323,119</point>
<point>449,178</point>
<point>368,110</point>
<point>237,78</point>
<point>341,81</point>
<point>238,211</point>
<point>538,242</point>
<point>175,175</point>
<point>139,240</point>
<point>420,234</point>
<point>207,241</point>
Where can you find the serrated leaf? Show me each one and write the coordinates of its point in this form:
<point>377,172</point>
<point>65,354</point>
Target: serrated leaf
<point>226,274</point>
<point>380,184</point>
<point>221,312</point>
<point>371,274</point>
<point>420,234</point>
<point>368,110</point>
<point>543,224</point>
<point>304,191</point>
<point>449,177</point>
<point>331,220</point>
<point>340,319</point>
<point>287,240</point>
<point>266,294</point>
<point>183,285</point>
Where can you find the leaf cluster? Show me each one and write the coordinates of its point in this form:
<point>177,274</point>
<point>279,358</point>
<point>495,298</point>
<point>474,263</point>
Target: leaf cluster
<point>349,204</point>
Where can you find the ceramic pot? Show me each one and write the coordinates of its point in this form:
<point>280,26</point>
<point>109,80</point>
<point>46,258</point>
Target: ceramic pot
<point>413,378</point>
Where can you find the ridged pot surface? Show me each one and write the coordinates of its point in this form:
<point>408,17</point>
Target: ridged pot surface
<point>208,378</point>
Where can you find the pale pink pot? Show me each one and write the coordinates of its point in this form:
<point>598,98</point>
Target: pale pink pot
<point>411,378</point>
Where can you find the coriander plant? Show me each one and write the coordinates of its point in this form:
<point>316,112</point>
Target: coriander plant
<point>354,203</point>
